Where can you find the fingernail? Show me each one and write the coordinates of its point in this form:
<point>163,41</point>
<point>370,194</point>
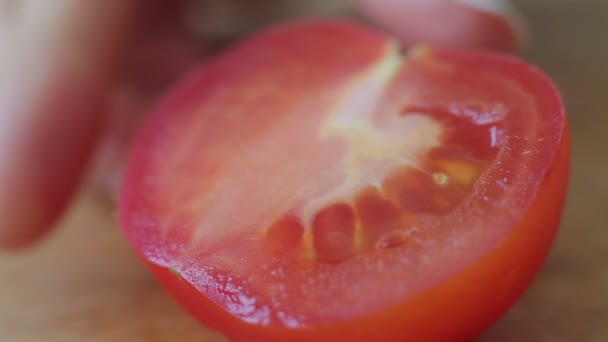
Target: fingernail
<point>503,9</point>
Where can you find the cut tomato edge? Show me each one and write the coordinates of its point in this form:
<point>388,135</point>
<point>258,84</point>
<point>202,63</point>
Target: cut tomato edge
<point>366,328</point>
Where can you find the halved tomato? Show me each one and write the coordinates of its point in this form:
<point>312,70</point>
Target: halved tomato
<point>314,184</point>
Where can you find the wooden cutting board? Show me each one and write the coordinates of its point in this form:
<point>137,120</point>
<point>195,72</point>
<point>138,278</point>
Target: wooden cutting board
<point>85,284</point>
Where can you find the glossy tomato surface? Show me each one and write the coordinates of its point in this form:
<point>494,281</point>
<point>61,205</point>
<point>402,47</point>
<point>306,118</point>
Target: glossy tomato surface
<point>314,183</point>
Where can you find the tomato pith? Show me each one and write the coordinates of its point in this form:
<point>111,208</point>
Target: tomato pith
<point>313,184</point>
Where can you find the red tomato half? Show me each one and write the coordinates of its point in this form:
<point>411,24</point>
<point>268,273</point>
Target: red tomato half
<point>314,184</point>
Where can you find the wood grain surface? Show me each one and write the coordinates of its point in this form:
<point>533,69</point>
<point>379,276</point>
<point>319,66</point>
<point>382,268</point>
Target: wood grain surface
<point>85,284</point>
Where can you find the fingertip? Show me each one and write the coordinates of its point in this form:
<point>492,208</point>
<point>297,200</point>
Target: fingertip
<point>43,158</point>
<point>21,228</point>
<point>58,65</point>
<point>487,24</point>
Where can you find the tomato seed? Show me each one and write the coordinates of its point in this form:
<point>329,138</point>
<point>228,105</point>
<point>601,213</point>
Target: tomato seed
<point>441,178</point>
<point>392,239</point>
<point>286,233</point>
<point>334,233</point>
<point>377,214</point>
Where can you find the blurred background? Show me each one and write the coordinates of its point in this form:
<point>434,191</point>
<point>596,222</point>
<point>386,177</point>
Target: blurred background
<point>85,284</point>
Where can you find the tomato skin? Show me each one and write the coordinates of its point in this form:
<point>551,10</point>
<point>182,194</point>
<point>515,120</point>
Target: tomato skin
<point>455,308</point>
<point>458,309</point>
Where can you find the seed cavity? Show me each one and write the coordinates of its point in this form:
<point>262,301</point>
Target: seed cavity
<point>389,192</point>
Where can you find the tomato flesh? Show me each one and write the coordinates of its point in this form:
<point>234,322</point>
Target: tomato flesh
<point>312,183</point>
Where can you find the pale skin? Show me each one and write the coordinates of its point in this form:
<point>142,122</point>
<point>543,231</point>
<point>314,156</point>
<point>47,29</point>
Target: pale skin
<point>63,61</point>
